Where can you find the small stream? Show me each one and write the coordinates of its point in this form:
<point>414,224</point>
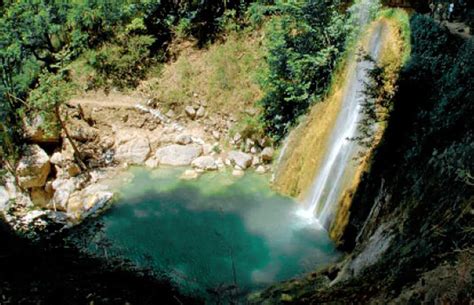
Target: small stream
<point>215,235</point>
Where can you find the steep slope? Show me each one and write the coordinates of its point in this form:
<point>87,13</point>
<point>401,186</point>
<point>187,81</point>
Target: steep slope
<point>410,231</point>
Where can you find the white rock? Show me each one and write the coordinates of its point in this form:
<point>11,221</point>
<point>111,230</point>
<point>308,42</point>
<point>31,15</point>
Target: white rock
<point>63,190</point>
<point>205,163</point>
<point>216,135</point>
<point>256,161</point>
<point>183,139</point>
<point>33,168</point>
<point>261,169</point>
<point>152,163</point>
<point>4,198</point>
<point>56,158</point>
<point>200,112</point>
<point>178,155</point>
<point>207,149</point>
<point>190,112</point>
<point>240,159</point>
<point>134,151</point>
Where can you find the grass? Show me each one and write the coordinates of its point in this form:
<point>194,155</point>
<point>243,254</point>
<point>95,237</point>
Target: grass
<point>224,75</point>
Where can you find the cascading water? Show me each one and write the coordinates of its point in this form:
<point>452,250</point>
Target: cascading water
<point>339,167</point>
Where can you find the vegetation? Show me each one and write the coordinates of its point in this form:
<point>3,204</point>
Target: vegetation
<point>118,42</point>
<point>304,44</point>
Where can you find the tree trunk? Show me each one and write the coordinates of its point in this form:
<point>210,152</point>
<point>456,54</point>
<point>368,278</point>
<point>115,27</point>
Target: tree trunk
<point>77,153</point>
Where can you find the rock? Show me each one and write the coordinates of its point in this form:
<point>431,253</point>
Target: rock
<point>107,142</point>
<point>184,139</point>
<point>35,131</point>
<point>238,173</point>
<point>88,201</point>
<point>170,114</point>
<point>253,150</point>
<point>63,190</point>
<point>256,161</point>
<point>205,163</point>
<point>178,155</point>
<point>190,174</point>
<point>240,159</point>
<point>267,154</point>
<point>81,131</point>
<point>237,138</point>
<point>190,112</point>
<point>73,170</point>
<point>4,198</point>
<point>220,163</point>
<point>40,197</point>
<point>33,168</point>
<point>207,149</point>
<point>56,158</point>
<point>152,163</point>
<point>261,169</point>
<point>216,135</point>
<point>133,151</point>
<point>200,112</point>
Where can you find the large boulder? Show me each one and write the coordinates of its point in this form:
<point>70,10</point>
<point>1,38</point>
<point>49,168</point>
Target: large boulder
<point>132,147</point>
<point>33,168</point>
<point>178,155</point>
<point>240,159</point>
<point>206,163</point>
<point>40,197</point>
<point>88,201</point>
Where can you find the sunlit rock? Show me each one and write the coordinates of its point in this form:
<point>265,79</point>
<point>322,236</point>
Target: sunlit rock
<point>240,159</point>
<point>33,168</point>
<point>178,155</point>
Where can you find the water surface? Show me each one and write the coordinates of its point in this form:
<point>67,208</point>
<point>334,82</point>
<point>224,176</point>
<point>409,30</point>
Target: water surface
<point>213,234</point>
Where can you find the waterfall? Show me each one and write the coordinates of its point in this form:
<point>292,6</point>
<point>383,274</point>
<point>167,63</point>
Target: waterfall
<point>338,167</point>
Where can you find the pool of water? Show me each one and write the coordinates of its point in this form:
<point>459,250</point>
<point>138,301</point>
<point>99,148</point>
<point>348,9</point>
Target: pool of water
<point>218,233</point>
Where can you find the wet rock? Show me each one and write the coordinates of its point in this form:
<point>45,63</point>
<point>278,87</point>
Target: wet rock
<point>238,173</point>
<point>240,159</point>
<point>261,169</point>
<point>267,154</point>
<point>206,163</point>
<point>184,139</point>
<point>190,112</point>
<point>190,174</point>
<point>33,168</point>
<point>178,155</point>
<point>152,162</point>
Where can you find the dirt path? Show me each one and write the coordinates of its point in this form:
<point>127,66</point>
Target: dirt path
<point>112,100</point>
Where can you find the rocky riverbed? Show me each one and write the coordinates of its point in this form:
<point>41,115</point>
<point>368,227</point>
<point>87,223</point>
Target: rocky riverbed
<point>52,185</point>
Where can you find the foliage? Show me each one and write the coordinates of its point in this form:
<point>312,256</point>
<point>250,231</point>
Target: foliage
<point>125,62</point>
<point>304,43</point>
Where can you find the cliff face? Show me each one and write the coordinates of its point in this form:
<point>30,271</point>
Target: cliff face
<point>411,219</point>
